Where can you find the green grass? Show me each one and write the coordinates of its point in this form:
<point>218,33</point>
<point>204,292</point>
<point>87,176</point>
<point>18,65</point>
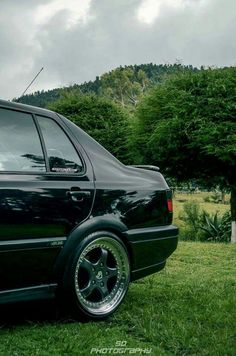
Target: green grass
<point>187,309</point>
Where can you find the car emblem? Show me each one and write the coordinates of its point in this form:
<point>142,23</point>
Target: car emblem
<point>99,275</point>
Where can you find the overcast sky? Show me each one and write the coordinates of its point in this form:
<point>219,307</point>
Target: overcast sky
<point>76,40</point>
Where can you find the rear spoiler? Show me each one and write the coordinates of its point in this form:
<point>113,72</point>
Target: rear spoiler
<point>150,168</point>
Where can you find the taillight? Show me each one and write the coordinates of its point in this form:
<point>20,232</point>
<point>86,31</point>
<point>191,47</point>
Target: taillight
<point>170,205</point>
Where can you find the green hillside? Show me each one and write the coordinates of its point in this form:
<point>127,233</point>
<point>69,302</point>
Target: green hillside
<point>152,73</point>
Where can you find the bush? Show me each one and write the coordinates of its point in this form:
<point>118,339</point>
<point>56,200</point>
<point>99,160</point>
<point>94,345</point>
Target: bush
<point>202,226</point>
<point>216,228</point>
<point>207,199</point>
<point>191,217</point>
<point>216,198</point>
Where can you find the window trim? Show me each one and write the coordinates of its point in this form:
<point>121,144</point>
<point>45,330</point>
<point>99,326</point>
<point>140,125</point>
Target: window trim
<point>73,143</point>
<point>47,171</point>
<point>41,142</point>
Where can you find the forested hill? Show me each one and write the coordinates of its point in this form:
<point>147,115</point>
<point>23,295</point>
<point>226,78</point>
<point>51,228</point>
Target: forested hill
<point>132,79</point>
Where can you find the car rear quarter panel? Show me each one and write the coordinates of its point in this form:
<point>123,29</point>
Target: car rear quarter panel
<point>135,197</point>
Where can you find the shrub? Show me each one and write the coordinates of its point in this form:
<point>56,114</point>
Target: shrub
<point>191,217</point>
<point>216,197</point>
<point>200,225</point>
<point>216,228</point>
<point>207,199</point>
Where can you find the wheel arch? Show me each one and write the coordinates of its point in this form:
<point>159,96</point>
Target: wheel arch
<point>108,223</point>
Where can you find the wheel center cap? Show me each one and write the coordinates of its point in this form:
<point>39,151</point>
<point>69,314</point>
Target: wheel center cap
<point>99,275</point>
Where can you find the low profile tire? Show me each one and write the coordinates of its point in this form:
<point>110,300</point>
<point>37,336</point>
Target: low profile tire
<point>97,279</point>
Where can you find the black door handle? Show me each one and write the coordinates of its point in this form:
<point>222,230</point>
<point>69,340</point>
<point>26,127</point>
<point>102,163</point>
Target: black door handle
<point>78,195</point>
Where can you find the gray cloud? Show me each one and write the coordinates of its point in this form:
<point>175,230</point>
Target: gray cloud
<point>199,33</point>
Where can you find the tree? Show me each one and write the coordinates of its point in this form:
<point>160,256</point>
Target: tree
<point>124,85</point>
<point>187,126</point>
<point>102,119</point>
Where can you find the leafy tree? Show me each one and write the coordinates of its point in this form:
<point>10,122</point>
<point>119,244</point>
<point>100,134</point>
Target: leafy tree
<point>124,86</point>
<point>102,119</point>
<point>187,126</point>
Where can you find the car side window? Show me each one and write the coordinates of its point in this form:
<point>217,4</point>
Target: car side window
<point>20,147</point>
<point>61,153</point>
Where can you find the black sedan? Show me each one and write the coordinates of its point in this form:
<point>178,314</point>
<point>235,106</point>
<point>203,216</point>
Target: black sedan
<point>74,221</point>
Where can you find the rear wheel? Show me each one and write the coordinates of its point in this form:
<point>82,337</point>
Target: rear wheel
<point>99,275</point>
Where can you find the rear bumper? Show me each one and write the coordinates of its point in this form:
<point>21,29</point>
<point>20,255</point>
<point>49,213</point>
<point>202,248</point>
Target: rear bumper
<point>150,247</point>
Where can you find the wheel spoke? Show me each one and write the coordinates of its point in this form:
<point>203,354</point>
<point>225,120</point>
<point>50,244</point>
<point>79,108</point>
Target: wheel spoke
<point>103,258</point>
<point>103,290</point>
<point>86,291</point>
<point>113,272</point>
<point>86,264</point>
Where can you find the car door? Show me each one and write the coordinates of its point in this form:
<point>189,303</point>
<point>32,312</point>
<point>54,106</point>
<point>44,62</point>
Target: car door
<point>46,189</point>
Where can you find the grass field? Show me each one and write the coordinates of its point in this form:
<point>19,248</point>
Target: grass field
<point>187,309</point>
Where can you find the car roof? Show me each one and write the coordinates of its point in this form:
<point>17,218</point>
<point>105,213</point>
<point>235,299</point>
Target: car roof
<point>26,108</point>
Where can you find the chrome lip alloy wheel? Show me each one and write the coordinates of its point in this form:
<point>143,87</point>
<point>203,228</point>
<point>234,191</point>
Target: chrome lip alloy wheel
<point>102,275</point>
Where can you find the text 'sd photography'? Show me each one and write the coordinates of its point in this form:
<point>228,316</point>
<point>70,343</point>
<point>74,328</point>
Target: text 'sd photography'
<point>120,347</point>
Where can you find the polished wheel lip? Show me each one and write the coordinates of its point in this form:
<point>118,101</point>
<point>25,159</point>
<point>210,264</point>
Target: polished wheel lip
<point>110,301</point>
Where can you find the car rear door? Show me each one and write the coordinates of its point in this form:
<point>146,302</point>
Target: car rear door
<point>46,189</point>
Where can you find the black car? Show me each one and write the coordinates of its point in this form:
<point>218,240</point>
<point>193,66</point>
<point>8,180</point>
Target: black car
<point>74,221</point>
